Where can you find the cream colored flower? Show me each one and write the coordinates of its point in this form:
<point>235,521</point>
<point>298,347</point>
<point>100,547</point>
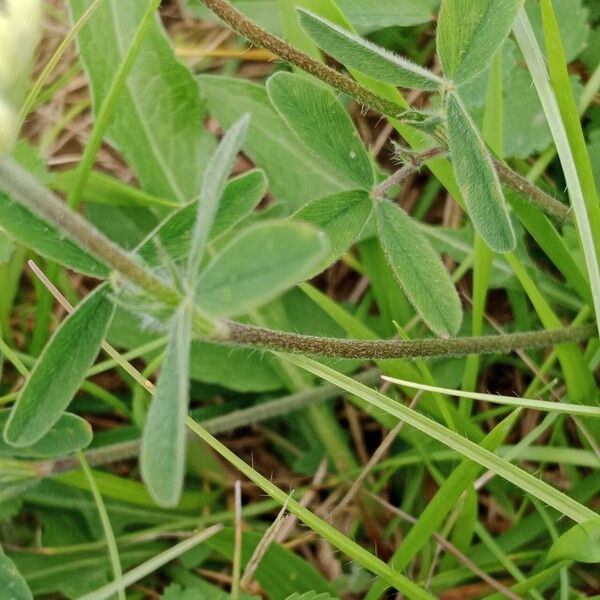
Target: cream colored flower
<point>8,124</point>
<point>20,30</point>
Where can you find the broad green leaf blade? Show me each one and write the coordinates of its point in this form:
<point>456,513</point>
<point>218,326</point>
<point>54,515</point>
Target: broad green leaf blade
<point>174,234</point>
<point>358,53</point>
<point>158,124</point>
<point>258,265</point>
<point>314,114</point>
<point>60,370</point>
<point>580,543</point>
<point>295,175</point>
<point>418,269</point>
<point>477,179</point>
<point>162,457</point>
<point>341,217</point>
<point>29,230</point>
<point>69,434</point>
<point>213,186</point>
<point>470,33</point>
<point>11,581</point>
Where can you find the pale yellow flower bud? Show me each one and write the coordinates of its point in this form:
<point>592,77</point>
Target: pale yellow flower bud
<point>8,123</point>
<point>20,30</point>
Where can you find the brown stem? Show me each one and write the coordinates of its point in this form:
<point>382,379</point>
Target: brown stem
<point>414,164</point>
<point>251,31</point>
<point>249,335</point>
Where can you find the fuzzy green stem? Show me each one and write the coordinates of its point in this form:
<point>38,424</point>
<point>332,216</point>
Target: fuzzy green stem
<point>248,335</point>
<point>22,187</point>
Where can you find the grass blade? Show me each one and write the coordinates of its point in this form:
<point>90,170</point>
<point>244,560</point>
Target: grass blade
<point>537,67</point>
<point>528,483</point>
<point>568,409</point>
<point>152,565</point>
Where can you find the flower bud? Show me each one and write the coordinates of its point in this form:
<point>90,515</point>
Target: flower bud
<point>8,123</point>
<point>20,30</point>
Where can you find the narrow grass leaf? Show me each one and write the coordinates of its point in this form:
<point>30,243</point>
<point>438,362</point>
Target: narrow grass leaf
<point>69,434</point>
<point>162,456</point>
<point>523,480</point>
<point>258,265</point>
<point>358,53</point>
<point>314,114</point>
<point>470,33</point>
<point>310,596</point>
<point>362,556</point>
<point>477,179</point>
<point>60,370</point>
<point>151,565</point>
<point>213,185</point>
<point>11,581</point>
<point>418,269</point>
<point>585,216</point>
<point>568,409</point>
<point>341,217</point>
<point>31,231</point>
<point>580,543</point>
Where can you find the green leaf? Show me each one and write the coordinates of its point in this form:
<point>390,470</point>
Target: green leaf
<point>295,175</point>
<point>358,53</point>
<point>213,186</point>
<point>477,179</point>
<point>280,571</point>
<point>370,15</point>
<point>11,581</point>
<point>258,265</point>
<point>418,269</point>
<point>314,114</point>
<point>157,125</point>
<point>69,434</point>
<point>580,543</point>
<point>342,218</point>
<point>240,198</point>
<point>470,33</point>
<point>366,15</point>
<point>310,596</point>
<point>60,370</point>
<point>174,234</point>
<point>31,231</point>
<point>162,456</point>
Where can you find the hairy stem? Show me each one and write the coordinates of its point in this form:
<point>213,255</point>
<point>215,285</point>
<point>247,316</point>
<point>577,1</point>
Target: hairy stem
<point>248,335</point>
<point>413,164</point>
<point>25,189</point>
<point>257,35</point>
<point>217,425</point>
